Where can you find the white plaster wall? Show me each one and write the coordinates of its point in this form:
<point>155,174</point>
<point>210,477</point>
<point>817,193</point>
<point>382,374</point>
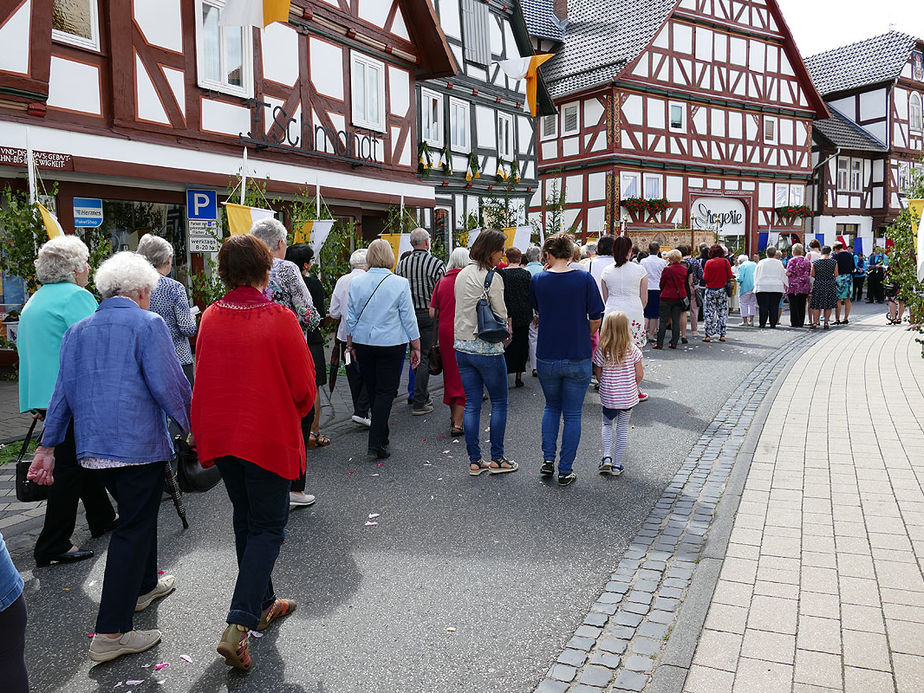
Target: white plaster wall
<point>449,18</point>
<point>148,104</point>
<point>160,22</point>
<point>74,86</point>
<point>280,54</point>
<point>14,37</point>
<point>224,118</point>
<point>486,135</point>
<point>596,186</point>
<point>593,112</point>
<point>399,91</point>
<point>374,11</point>
<point>574,189</point>
<point>326,60</point>
<point>177,81</point>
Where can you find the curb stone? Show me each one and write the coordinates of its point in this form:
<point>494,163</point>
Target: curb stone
<point>665,580</point>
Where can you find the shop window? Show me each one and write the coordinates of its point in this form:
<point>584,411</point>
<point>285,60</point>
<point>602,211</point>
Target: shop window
<point>76,22</point>
<point>460,125</point>
<point>224,54</point>
<point>654,187</point>
<point>847,229</point>
<point>125,222</point>
<point>549,127</point>
<point>570,123</point>
<point>505,136</point>
<point>367,79</point>
<point>914,112</point>
<point>628,185</point>
<point>431,117</point>
<point>678,117</point>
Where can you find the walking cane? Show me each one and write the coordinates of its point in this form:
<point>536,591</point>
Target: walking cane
<point>175,494</point>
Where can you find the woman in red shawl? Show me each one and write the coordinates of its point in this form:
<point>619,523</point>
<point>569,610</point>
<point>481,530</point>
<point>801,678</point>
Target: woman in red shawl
<point>254,383</point>
<point>443,307</point>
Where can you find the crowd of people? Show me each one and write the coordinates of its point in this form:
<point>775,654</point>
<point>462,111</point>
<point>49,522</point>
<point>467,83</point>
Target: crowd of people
<point>117,382</point>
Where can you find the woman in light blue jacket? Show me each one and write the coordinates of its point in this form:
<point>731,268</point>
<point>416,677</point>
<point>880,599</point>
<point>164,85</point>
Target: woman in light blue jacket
<point>746,295</point>
<point>120,379</point>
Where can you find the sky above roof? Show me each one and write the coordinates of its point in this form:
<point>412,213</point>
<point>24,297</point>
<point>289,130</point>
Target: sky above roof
<point>819,25</point>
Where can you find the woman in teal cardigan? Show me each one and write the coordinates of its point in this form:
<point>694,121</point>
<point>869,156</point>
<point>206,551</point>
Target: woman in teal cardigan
<point>63,271</point>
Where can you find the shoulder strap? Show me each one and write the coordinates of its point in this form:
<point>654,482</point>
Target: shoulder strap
<point>25,443</point>
<point>370,297</point>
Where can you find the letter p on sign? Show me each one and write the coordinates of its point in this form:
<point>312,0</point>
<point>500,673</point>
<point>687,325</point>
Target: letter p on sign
<point>202,204</point>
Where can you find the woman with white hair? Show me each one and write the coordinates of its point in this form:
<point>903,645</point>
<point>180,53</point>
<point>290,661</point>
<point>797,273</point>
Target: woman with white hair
<point>443,309</point>
<point>747,297</point>
<point>169,299</point>
<point>120,380</point>
<point>337,311</point>
<point>62,269</point>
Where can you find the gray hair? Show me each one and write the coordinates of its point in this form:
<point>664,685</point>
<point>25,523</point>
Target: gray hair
<point>533,253</point>
<point>358,258</point>
<point>589,249</point>
<point>771,251</point>
<point>155,249</point>
<point>419,237</point>
<point>125,273</point>
<point>742,259</point>
<point>458,259</point>
<point>269,230</point>
<point>59,258</point>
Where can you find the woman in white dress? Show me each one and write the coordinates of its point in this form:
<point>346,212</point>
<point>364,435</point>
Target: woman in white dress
<point>625,287</point>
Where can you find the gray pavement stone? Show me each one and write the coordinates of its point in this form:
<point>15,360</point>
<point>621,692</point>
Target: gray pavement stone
<point>646,646</point>
<point>550,686</point>
<point>636,608</point>
<point>562,672</point>
<point>612,645</point>
<point>624,618</point>
<point>639,663</point>
<point>596,676</point>
<point>596,619</point>
<point>573,658</point>
<point>630,681</point>
<point>606,659</point>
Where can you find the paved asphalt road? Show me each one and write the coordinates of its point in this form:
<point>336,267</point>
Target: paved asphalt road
<point>465,584</point>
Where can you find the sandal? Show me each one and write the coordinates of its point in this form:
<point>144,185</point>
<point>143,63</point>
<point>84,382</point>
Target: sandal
<point>278,609</point>
<point>500,468</point>
<point>235,647</point>
<point>721,339</point>
<point>706,339</point>
<point>606,467</point>
<point>316,440</point>
<point>478,468</point>
<point>456,431</point>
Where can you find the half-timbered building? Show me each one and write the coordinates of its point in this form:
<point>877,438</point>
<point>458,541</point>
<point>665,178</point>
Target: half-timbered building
<point>135,101</point>
<point>865,154</point>
<point>677,115</point>
<point>477,137</point>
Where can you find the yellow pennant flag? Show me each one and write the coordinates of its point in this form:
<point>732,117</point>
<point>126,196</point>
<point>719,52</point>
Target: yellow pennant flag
<point>314,233</point>
<point>509,235</point>
<point>528,68</point>
<point>399,242</point>
<point>241,217</point>
<point>254,12</point>
<point>917,207</point>
<point>52,225</point>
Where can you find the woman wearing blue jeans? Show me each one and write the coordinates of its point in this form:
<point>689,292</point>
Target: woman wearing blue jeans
<point>482,364</point>
<point>570,310</point>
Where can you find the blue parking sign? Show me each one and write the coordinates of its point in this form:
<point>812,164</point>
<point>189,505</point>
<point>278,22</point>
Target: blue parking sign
<point>202,204</point>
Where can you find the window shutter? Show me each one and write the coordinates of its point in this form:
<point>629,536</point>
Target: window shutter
<point>571,119</point>
<point>475,17</point>
<point>548,125</point>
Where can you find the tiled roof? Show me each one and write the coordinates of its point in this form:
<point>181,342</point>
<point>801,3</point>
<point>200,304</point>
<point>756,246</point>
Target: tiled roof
<point>541,20</point>
<point>872,61</point>
<point>602,36</point>
<point>844,133</point>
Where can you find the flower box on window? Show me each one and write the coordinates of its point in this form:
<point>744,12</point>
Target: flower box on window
<point>639,206</point>
<point>794,211</point>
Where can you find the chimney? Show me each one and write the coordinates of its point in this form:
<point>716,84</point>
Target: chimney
<point>560,9</point>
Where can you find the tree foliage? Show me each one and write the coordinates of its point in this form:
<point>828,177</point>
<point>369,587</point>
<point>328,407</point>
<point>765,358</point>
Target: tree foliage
<point>903,258</point>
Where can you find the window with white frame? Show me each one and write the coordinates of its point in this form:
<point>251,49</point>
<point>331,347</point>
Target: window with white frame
<point>770,130</point>
<point>654,187</point>
<point>677,120</point>
<point>781,195</point>
<point>224,54</point>
<point>914,112</point>
<point>549,127</point>
<point>367,87</point>
<point>460,126</point>
<point>570,119</point>
<point>76,22</point>
<point>904,176</point>
<point>431,118</point>
<point>856,175</point>
<point>796,195</point>
<point>629,185</point>
<point>843,174</point>
<point>505,136</point>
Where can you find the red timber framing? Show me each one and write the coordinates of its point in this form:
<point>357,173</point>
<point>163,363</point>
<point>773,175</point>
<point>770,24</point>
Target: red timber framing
<point>718,104</point>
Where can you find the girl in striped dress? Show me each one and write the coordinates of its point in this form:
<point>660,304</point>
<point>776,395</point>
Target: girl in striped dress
<point>618,367</point>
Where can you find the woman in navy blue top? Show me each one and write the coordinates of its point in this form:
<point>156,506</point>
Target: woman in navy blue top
<point>570,310</point>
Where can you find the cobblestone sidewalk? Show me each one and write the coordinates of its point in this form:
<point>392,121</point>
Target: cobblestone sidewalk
<point>623,637</point>
<point>822,588</point>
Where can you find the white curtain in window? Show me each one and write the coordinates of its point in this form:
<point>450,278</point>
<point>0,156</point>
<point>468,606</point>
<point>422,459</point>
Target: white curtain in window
<point>210,59</point>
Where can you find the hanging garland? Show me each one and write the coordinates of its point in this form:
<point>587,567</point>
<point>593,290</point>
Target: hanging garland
<point>502,173</point>
<point>425,161</point>
<point>515,171</point>
<point>473,171</point>
<point>447,161</point>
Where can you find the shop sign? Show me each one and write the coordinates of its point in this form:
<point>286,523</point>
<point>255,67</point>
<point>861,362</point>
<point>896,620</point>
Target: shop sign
<point>724,215</point>
<point>17,157</point>
<point>88,212</point>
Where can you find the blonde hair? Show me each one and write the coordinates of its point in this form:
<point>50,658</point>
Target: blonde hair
<point>674,256</point>
<point>380,254</point>
<point>615,338</point>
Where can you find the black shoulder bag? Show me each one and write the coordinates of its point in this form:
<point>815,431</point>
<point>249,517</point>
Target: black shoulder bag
<point>28,491</point>
<point>490,327</point>
<point>685,301</point>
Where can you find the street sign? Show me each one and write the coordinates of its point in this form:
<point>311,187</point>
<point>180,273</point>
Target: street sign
<point>203,236</point>
<point>88,212</point>
<point>203,244</point>
<point>201,204</point>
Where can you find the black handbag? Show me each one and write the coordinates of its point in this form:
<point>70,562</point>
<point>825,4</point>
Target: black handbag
<point>685,301</point>
<point>191,476</point>
<point>490,327</point>
<point>28,491</point>
<point>434,360</point>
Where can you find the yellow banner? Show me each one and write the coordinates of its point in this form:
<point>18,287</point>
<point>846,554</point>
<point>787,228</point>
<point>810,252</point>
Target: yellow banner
<point>241,217</point>
<point>52,225</point>
<point>509,235</point>
<point>532,80</point>
<point>917,207</point>
<point>275,11</point>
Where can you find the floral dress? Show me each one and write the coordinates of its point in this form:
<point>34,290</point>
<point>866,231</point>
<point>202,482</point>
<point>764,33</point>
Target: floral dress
<point>799,271</point>
<point>286,287</point>
<point>824,290</point>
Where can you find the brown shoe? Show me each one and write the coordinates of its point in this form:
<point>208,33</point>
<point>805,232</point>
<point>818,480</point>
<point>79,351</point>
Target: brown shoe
<point>279,608</point>
<point>235,647</point>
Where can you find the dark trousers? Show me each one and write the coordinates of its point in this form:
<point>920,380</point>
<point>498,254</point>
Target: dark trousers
<point>72,483</point>
<point>13,647</point>
<point>768,306</point>
<point>381,370</point>
<point>669,310</point>
<point>298,485</point>
<point>357,389</point>
<point>260,500</point>
<point>797,309</point>
<point>875,290</point>
<point>131,565</point>
<point>858,287</point>
<point>422,372</point>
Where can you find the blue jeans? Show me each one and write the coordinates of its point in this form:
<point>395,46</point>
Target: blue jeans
<point>260,500</point>
<point>479,372</point>
<point>564,384</point>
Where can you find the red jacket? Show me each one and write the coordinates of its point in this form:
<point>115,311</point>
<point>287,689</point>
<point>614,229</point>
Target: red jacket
<point>254,383</point>
<point>674,282</point>
<point>717,273</point>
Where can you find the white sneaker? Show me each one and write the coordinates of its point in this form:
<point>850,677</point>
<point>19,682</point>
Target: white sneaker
<point>300,499</point>
<point>165,585</point>
<point>362,421</point>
